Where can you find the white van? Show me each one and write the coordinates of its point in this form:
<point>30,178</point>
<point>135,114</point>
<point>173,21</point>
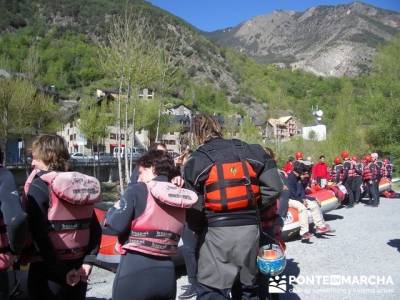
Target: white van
<point>136,152</point>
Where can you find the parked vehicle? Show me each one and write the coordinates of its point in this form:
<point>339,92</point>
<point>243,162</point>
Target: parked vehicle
<point>136,152</point>
<point>104,157</point>
<point>81,158</point>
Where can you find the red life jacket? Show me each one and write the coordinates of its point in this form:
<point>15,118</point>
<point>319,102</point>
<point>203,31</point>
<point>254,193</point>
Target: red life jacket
<point>72,196</point>
<point>158,229</point>
<point>6,257</point>
<point>358,168</point>
<point>388,170</point>
<point>348,164</point>
<point>371,172</point>
<point>337,173</point>
<point>288,167</point>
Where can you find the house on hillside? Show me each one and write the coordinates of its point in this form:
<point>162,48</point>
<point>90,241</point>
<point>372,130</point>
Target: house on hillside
<point>283,128</point>
<point>182,115</point>
<point>145,94</point>
<point>77,142</point>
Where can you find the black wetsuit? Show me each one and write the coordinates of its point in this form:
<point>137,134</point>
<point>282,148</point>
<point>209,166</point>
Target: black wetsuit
<point>139,276</point>
<point>14,218</point>
<point>47,278</point>
<point>214,228</point>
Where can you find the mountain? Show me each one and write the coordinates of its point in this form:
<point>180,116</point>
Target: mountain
<point>326,40</point>
<point>49,24</point>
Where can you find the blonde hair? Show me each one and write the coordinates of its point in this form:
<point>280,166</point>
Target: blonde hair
<point>205,127</point>
<point>52,150</point>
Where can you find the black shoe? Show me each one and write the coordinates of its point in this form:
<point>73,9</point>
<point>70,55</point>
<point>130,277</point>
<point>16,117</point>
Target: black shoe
<point>189,293</point>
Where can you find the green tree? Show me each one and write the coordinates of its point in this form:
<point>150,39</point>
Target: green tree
<point>250,133</point>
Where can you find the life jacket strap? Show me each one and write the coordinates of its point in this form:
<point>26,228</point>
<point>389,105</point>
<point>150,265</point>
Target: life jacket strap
<point>156,234</point>
<point>70,225</point>
<point>153,245</point>
<point>230,183</point>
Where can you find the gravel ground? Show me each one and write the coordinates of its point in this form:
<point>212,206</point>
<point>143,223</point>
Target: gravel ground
<point>366,244</point>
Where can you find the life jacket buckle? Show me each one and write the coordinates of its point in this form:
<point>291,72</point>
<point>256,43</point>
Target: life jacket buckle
<point>247,181</point>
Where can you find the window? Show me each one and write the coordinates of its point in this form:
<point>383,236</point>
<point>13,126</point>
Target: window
<point>113,136</point>
<point>71,137</point>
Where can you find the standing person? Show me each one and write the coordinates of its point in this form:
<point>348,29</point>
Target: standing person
<point>149,220</point>
<point>348,175</point>
<point>301,202</point>
<point>155,146</point>
<point>371,178</point>
<point>13,226</point>
<point>299,155</point>
<point>230,177</point>
<point>190,241</point>
<point>288,167</point>
<point>357,179</point>
<point>320,172</point>
<point>337,171</point>
<point>62,223</point>
<point>388,168</point>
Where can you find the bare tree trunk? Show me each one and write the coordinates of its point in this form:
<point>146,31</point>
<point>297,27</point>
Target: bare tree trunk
<point>3,148</point>
<point>127,175</point>
<point>159,120</point>
<point>94,163</point>
<point>121,183</point>
<point>133,138</point>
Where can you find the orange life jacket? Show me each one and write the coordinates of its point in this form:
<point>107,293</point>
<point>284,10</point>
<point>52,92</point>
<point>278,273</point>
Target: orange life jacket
<point>230,186</point>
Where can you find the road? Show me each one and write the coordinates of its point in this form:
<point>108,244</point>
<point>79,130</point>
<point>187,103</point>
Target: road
<point>360,262</point>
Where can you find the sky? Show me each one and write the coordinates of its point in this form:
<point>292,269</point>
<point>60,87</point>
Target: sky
<point>209,15</point>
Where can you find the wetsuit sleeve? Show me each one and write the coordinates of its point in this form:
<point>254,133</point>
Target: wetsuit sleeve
<point>271,184</point>
<point>135,175</point>
<point>194,174</point>
<point>118,220</point>
<point>37,208</point>
<point>94,241</point>
<point>14,217</point>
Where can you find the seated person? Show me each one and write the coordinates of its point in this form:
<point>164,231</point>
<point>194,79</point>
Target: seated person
<point>301,202</point>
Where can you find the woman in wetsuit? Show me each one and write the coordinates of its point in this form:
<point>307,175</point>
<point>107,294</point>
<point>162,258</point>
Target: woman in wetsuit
<point>52,277</point>
<point>148,230</point>
<point>13,226</point>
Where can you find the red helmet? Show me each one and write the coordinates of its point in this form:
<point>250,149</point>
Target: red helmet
<point>337,160</point>
<point>368,158</point>
<point>298,155</point>
<point>345,154</point>
<point>355,158</point>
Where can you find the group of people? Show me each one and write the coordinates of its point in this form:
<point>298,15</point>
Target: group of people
<point>358,176</point>
<point>225,200</point>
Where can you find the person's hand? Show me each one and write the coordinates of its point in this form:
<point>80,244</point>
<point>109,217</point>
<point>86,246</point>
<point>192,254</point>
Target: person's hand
<point>72,277</point>
<point>84,272</point>
<point>178,181</point>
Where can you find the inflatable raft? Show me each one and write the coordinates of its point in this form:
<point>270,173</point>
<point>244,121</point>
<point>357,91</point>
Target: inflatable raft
<point>385,185</point>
